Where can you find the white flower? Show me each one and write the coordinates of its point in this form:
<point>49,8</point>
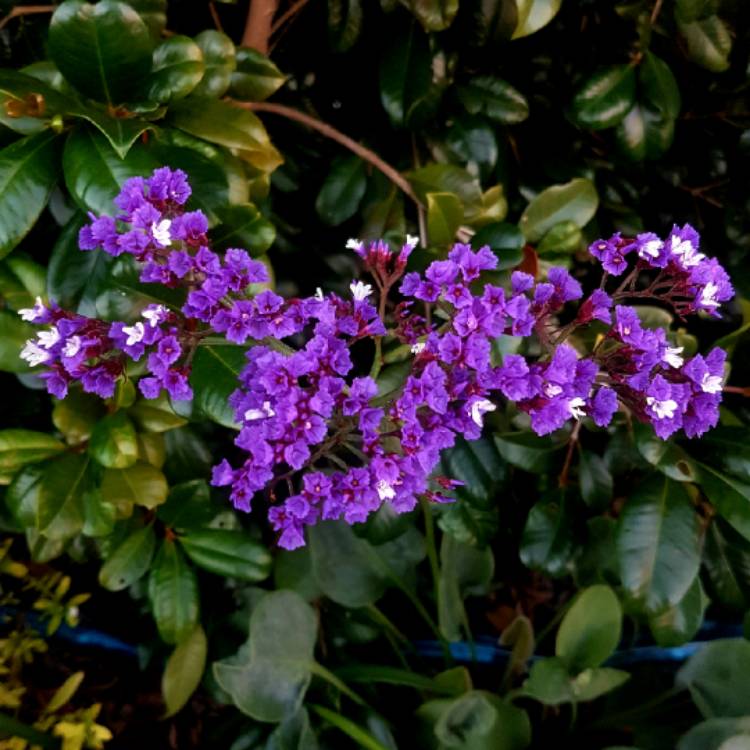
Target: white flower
<point>663,409</point>
<point>134,333</point>
<point>551,390</point>
<point>33,313</point>
<point>319,294</point>
<point>266,411</point>
<point>684,250</point>
<point>360,290</point>
<point>479,409</point>
<point>411,241</point>
<point>650,249</point>
<point>154,315</point>
<point>48,339</point>
<point>708,294</point>
<point>353,244</point>
<point>161,233</point>
<point>418,348</point>
<point>672,356</point>
<point>385,490</point>
<point>33,353</point>
<point>711,383</point>
<point>575,407</point>
<point>72,346</point>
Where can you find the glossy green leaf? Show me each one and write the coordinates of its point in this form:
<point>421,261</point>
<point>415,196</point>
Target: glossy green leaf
<point>99,516</point>
<point>173,594</point>
<point>548,540</point>
<point>184,670</point>
<point>717,734</point>
<point>22,280</point>
<point>590,631</point>
<point>227,553</point>
<point>505,239</point>
<point>214,378</point>
<point>14,333</point>
<point>434,15</point>
<point>405,72</point>
<point>448,178</point>
<point>187,455</point>
<point>268,677</point>
<point>342,191</point>
<point>549,682</point>
<point>344,23</point>
<point>354,573</point>
<point>564,238</point>
<point>130,561</point>
<point>593,683</point>
<point>534,15</point>
<point>659,544</point>
<point>188,506</point>
<point>94,173</point>
<point>495,98</point>
<point>708,42</point>
<point>596,482</point>
<point>680,623</point>
<point>444,216</point>
<point>727,448</point>
<point>114,442</point>
<point>177,69</point>
<point>153,13</point>
<point>139,484</point>
<point>726,562</point>
<point>659,86</point>
<point>120,132</point>
<point>528,452</point>
<point>221,123</point>
<point>156,415</point>
<point>644,133</point>
<point>28,172</point>
<point>245,227</point>
<point>255,77</point>
<point>103,50</point>
<point>605,98</point>
<point>76,415</point>
<point>21,447</point>
<point>730,496</point>
<point>718,678</point>
<point>220,62</point>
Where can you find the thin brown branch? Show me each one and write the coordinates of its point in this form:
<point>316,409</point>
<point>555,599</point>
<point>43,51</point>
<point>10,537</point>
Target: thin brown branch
<point>655,12</point>
<point>335,135</point>
<point>292,11</point>
<point>215,16</point>
<point>26,10</point>
<point>737,389</point>
<point>258,25</point>
<point>572,441</point>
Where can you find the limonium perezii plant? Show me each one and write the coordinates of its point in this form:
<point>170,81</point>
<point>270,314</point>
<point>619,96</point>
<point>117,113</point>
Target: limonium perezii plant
<point>317,434</point>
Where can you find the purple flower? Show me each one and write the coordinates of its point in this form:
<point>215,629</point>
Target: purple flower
<point>603,406</point>
<point>611,253</point>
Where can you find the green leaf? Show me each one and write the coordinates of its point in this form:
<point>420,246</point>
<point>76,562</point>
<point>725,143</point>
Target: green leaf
<point>76,415</point>
<point>14,333</point>
<point>99,516</point>
<point>184,670</point>
<point>22,280</point>
<point>375,673</point>
<point>464,571</point>
<point>153,13</point>
<point>730,496</point>
<point>659,544</point>
<point>156,415</point>
<point>593,683</point>
<point>354,573</point>
<point>605,98</point>
<point>243,226</point>
<point>94,173</point>
<point>344,23</point>
<point>177,69</point>
<point>644,133</point>
<point>120,132</point>
<point>565,237</point>
<point>342,191</point>
<point>405,73</point>
<point>680,623</point>
<point>727,564</point>
<point>505,239</point>
<point>255,77</point>
<point>187,455</point>
<point>220,122</point>
<point>708,42</point>
<point>668,457</point>
<point>659,85</point>
<point>590,631</point>
<point>21,447</point>
<point>549,682</point>
<point>434,15</point>
<point>173,593</point>
<point>214,377</point>
<point>574,201</point>
<point>597,485</point>
<point>129,561</point>
<point>495,98</point>
<point>548,540</point>
<point>528,452</point>
<point>269,676</point>
<point>114,442</point>
<point>188,506</point>
<point>444,216</point>
<point>717,734</point>
<point>103,50</point>
<point>718,678</point>
<point>139,484</point>
<point>227,553</point>
<point>219,56</point>
<point>448,178</point>
<point>727,448</point>
<point>534,15</point>
<point>28,172</point>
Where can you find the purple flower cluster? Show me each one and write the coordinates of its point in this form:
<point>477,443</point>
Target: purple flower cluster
<point>317,434</point>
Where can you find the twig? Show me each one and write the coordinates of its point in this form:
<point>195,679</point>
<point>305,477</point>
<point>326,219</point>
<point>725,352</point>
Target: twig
<point>421,216</point>
<point>215,15</point>
<point>336,135</point>
<point>736,389</point>
<point>26,10</point>
<point>563,480</point>
<point>258,24</point>
<point>655,12</point>
<point>284,17</point>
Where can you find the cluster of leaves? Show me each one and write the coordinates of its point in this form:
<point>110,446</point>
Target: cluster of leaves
<point>532,126</point>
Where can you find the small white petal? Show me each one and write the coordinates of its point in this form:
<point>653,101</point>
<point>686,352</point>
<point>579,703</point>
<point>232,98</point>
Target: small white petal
<point>49,338</point>
<point>575,407</point>
<point>418,348</point>
<point>360,290</point>
<point>34,354</point>
<point>353,244</point>
<point>33,313</point>
<point>711,383</point>
<point>385,490</point>
<point>551,390</point>
<point>672,356</point>
<point>479,409</point>
<point>161,233</point>
<point>266,411</point>
<point>154,315</point>
<point>411,241</point>
<point>134,333</point>
<point>319,294</point>
<point>72,346</point>
<point>651,249</point>
<point>662,409</point>
<point>708,294</point>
